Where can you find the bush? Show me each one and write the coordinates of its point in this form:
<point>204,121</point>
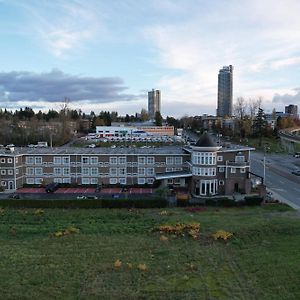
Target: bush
<point>253,200</point>
<point>97,203</point>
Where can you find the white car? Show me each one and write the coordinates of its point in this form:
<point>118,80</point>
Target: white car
<point>92,146</point>
<point>82,197</point>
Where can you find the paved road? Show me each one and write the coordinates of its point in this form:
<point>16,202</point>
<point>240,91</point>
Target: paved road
<point>279,180</point>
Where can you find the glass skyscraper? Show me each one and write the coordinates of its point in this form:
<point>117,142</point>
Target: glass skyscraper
<point>225,92</point>
<point>153,103</point>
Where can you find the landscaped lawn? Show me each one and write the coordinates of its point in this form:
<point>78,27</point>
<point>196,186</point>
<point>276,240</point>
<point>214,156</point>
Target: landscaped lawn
<point>116,254</point>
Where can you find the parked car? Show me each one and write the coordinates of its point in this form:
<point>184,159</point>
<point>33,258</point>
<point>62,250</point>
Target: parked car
<point>82,197</point>
<point>14,196</point>
<point>92,197</point>
<point>296,172</point>
<point>52,187</point>
<point>297,155</point>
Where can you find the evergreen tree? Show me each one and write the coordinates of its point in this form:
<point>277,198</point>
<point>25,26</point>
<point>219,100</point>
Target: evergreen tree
<point>260,125</point>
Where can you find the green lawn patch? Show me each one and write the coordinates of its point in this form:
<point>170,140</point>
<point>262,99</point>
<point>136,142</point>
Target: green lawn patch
<point>120,253</point>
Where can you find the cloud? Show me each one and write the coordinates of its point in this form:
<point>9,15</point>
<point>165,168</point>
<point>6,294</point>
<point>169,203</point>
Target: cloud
<point>55,86</point>
<point>288,98</point>
<point>281,63</point>
<point>62,25</point>
<point>259,45</point>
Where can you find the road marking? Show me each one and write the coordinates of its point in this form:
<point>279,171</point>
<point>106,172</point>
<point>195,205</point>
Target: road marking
<point>279,190</point>
<point>281,181</point>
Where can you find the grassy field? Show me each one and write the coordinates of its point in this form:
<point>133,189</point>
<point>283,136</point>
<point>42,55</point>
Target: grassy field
<point>117,254</point>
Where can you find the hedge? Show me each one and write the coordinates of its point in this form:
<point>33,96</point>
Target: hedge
<point>90,203</point>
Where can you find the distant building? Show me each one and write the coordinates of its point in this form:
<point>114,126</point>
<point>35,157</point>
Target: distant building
<point>153,103</point>
<point>292,110</point>
<point>225,92</point>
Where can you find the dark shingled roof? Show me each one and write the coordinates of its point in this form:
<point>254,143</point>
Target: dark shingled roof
<point>205,141</point>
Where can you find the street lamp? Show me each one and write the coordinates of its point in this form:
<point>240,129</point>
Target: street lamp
<point>264,163</point>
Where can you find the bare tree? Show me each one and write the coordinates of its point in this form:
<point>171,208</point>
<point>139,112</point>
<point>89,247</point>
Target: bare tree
<point>240,108</point>
<point>254,105</point>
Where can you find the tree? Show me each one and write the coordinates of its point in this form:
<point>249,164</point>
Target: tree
<point>240,108</point>
<point>144,115</point>
<point>260,125</point>
<point>158,119</point>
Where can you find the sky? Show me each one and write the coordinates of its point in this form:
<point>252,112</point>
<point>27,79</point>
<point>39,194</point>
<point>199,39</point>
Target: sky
<point>106,55</point>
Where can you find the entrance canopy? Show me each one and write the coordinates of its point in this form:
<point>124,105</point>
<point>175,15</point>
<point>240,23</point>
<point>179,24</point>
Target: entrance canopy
<point>175,174</point>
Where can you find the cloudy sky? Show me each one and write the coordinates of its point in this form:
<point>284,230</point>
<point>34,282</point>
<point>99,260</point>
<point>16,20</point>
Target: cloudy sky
<point>106,55</point>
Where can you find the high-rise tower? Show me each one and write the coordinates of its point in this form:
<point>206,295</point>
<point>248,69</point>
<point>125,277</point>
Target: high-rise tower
<point>225,92</point>
<point>153,103</point>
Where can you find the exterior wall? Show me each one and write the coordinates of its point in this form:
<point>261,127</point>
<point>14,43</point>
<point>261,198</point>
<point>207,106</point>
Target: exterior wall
<point>225,174</point>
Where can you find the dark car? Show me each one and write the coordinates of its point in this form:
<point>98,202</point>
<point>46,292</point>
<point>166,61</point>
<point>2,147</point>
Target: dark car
<point>14,196</point>
<point>296,172</point>
<point>52,187</point>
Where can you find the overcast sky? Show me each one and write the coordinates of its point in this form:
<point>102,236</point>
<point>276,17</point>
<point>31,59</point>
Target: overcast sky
<point>106,55</point>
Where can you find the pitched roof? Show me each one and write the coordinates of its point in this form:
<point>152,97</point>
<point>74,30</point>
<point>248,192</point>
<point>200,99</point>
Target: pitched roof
<point>205,141</point>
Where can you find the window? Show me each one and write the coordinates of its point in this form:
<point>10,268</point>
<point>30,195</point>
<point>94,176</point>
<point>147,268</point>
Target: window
<point>85,171</point>
<point>219,158</point>
<point>38,160</point>
<point>29,160</point>
<point>57,180</point>
<point>57,160</point>
<point>17,160</point>
<point>141,180</point>
<point>3,172</point>
<point>113,160</point>
<point>170,181</point>
<point>240,158</point>
<point>176,180</point>
<point>221,169</point>
<point>122,160</point>
<point>233,170</point>
<point>113,171</point>
<point>10,172</point>
<point>94,160</point>
<point>204,171</point>
<point>122,171</point>
<point>221,182</point>
<point>9,160</point>
<point>38,171</point>
<point>29,171</point>
<point>122,180</point>
<point>85,181</point>
<point>150,171</point>
<point>66,180</point>
<point>150,180</point>
<point>141,160</point>
<point>204,158</point>
<point>94,181</point>
<point>85,160</point>
<point>243,170</point>
<point>169,169</point>
<point>29,180</point>
<point>169,160</point>
<point>38,180</point>
<point>17,171</point>
<point>150,160</point>
<point>65,160</point>
<point>66,171</point>
<point>141,171</point>
<point>178,160</point>
<point>3,183</point>
<point>57,171</point>
<point>113,181</point>
<point>94,171</point>
<point>3,160</point>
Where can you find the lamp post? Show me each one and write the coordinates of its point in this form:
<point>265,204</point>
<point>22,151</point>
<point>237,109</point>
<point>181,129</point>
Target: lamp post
<point>264,165</point>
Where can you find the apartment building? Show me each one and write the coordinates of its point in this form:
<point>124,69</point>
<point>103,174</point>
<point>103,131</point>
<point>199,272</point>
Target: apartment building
<point>205,168</point>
